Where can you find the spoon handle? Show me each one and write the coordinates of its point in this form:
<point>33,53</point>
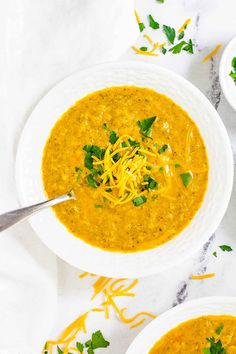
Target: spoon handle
<point>12,217</point>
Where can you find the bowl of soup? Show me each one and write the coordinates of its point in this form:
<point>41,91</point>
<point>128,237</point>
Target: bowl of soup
<point>147,158</point>
<point>206,326</point>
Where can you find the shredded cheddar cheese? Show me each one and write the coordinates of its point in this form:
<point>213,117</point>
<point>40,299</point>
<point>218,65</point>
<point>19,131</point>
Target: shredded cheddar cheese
<point>212,53</point>
<point>185,24</point>
<point>111,288</point>
<point>137,17</point>
<point>204,276</point>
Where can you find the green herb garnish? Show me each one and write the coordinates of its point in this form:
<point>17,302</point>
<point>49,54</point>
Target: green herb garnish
<point>91,181</point>
<point>59,351</point>
<point>145,126</point>
<point>177,48</point>
<point>226,248</point>
<point>215,347</point>
<point>163,149</point>
<point>113,137</point>
<point>141,26</point>
<point>152,23</point>
<point>155,196</point>
<point>181,35</point>
<point>79,171</point>
<point>177,165</point>
<point>189,47</point>
<point>161,1</point>
<point>152,184</point>
<point>219,329</point>
<point>143,49</point>
<point>105,126</point>
<point>80,346</point>
<point>233,72</point>
<point>95,151</point>
<point>98,206</point>
<point>170,33</point>
<point>139,200</point>
<point>214,254</point>
<point>149,168</point>
<point>163,50</point>
<point>124,144</point>
<point>116,157</point>
<point>133,143</point>
<point>186,178</point>
<point>88,161</point>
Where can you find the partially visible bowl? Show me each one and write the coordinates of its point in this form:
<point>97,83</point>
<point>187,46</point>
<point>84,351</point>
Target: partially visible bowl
<point>227,83</point>
<point>114,264</point>
<point>214,305</point>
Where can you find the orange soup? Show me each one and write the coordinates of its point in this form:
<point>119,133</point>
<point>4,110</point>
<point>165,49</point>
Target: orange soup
<point>137,165</point>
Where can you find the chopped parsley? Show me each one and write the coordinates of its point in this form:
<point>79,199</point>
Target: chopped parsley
<point>143,49</point>
<point>124,144</point>
<point>219,329</point>
<point>94,150</point>
<point>98,206</point>
<point>214,254</point>
<point>181,35</point>
<point>170,33</point>
<point>155,196</point>
<point>163,50</point>
<point>232,73</point>
<point>91,181</point>
<point>152,23</point>
<point>139,200</point>
<point>186,178</point>
<point>59,351</point>
<point>116,157</point>
<point>177,48</point>
<point>113,137</point>
<point>163,149</point>
<point>177,165</point>
<point>145,126</point>
<point>80,346</point>
<point>161,1</point>
<point>152,184</point>
<point>133,143</point>
<point>189,47</point>
<point>226,248</point>
<point>141,26</point>
<point>88,161</point>
<point>105,126</point>
<point>215,347</point>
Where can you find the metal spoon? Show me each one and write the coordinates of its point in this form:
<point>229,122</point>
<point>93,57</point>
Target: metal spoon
<point>13,217</point>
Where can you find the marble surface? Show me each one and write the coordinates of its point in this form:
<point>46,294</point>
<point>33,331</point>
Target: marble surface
<point>213,22</point>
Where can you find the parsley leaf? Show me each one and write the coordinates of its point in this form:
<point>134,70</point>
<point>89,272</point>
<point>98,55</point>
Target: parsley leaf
<point>143,49</point>
<point>186,178</point>
<point>139,200</point>
<point>219,329</point>
<point>177,165</point>
<point>91,181</point>
<point>79,171</point>
<point>233,72</point>
<point>177,48</point>
<point>226,248</point>
<point>105,126</point>
<point>113,137</point>
<point>133,143</point>
<point>88,161</point>
<point>189,47</point>
<point>214,254</point>
<point>163,50</point>
<point>161,1</point>
<point>59,351</point>
<point>94,150</point>
<point>145,126</point>
<point>124,144</point>
<point>181,35</point>
<point>215,348</point>
<point>170,33</point>
<point>141,26</point>
<point>98,206</point>
<point>80,346</point>
<point>152,23</point>
<point>163,149</point>
<point>98,340</point>
<point>152,184</point>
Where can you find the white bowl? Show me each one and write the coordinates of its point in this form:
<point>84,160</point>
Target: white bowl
<point>214,305</point>
<point>115,264</point>
<point>227,83</point>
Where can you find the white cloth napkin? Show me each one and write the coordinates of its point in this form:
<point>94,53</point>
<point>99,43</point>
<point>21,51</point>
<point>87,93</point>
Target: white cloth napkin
<point>42,41</point>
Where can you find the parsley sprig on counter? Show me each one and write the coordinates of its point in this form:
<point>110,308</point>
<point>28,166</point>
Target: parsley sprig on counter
<point>97,341</point>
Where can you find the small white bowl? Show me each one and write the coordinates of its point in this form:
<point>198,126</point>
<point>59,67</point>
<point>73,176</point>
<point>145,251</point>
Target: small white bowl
<point>214,305</point>
<point>227,83</point>
<point>115,264</point>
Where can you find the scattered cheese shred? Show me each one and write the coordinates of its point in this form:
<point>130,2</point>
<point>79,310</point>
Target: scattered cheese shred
<point>185,24</point>
<point>204,276</point>
<point>148,38</point>
<point>137,17</point>
<point>212,53</point>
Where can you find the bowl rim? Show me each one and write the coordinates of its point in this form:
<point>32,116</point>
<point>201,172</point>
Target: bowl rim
<point>115,270</point>
<point>230,45</point>
<point>174,314</point>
